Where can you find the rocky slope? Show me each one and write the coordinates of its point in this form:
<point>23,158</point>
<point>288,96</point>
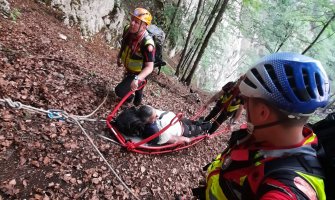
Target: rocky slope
<point>47,65</point>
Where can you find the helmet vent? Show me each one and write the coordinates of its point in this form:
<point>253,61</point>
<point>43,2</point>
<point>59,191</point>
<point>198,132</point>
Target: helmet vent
<point>319,84</point>
<point>301,94</point>
<point>248,82</point>
<point>269,68</point>
<point>308,84</point>
<point>260,79</point>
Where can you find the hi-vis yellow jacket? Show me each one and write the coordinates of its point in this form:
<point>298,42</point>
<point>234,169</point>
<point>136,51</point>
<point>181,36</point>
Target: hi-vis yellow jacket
<point>234,104</point>
<point>131,55</point>
<point>248,171</point>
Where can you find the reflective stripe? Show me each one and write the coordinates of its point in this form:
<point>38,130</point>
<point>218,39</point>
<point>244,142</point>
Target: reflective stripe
<point>310,139</point>
<point>242,179</point>
<point>213,189</point>
<point>225,98</point>
<point>133,61</point>
<point>131,64</point>
<point>230,108</point>
<point>317,184</point>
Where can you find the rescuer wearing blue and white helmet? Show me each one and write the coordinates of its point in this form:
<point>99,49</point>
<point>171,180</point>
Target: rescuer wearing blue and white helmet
<point>276,157</point>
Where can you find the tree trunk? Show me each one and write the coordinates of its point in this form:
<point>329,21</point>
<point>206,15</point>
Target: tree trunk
<point>190,54</point>
<point>190,61</point>
<point>196,18</point>
<point>318,36</point>
<point>173,18</point>
<point>212,14</point>
<point>198,40</point>
<point>205,43</point>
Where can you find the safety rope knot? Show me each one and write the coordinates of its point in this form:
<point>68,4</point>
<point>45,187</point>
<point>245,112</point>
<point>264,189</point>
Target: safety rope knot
<point>130,146</point>
<point>13,104</point>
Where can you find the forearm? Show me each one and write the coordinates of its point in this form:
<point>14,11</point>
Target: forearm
<point>149,67</point>
<point>177,139</point>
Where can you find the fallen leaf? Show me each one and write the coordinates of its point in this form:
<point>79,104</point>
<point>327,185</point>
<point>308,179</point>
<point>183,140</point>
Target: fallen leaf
<point>12,182</point>
<point>24,183</point>
<point>95,180</point>
<point>35,163</point>
<point>23,160</point>
<point>46,160</point>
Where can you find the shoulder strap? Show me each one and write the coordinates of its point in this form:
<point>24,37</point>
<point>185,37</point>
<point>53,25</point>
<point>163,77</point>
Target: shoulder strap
<point>285,169</point>
<point>303,163</point>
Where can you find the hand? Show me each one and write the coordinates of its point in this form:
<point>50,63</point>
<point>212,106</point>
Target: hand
<point>187,140</point>
<point>134,85</point>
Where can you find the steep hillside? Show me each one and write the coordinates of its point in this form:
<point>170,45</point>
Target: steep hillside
<point>47,65</point>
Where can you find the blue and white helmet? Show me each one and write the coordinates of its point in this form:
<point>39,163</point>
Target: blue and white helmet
<point>294,83</point>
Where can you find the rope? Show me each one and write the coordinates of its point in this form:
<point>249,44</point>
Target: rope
<point>111,140</point>
<point>62,115</point>
<point>110,167</point>
<point>87,116</point>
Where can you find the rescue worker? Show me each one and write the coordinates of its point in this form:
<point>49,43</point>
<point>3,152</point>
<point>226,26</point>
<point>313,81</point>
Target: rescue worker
<point>275,157</point>
<point>137,54</point>
<point>228,104</point>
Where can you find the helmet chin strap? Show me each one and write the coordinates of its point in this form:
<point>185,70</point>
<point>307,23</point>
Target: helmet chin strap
<point>138,30</point>
<point>266,125</point>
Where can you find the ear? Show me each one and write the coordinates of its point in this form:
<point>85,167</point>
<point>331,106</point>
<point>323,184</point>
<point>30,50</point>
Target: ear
<point>264,112</point>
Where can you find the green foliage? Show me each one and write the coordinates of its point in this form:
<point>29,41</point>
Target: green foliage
<point>168,70</point>
<point>267,26</point>
<point>175,33</point>
<point>15,14</point>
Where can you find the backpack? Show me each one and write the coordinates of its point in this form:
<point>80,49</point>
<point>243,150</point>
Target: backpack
<point>324,166</point>
<point>158,36</point>
<point>325,131</point>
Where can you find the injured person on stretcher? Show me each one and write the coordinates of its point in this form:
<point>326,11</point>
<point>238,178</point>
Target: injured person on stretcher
<point>146,121</point>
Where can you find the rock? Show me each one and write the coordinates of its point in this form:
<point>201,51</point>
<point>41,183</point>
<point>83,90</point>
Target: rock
<point>4,8</point>
<point>142,169</point>
<point>62,36</point>
<point>87,14</point>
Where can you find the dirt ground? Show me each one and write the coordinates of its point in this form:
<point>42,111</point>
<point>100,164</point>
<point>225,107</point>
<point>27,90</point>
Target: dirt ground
<point>43,158</point>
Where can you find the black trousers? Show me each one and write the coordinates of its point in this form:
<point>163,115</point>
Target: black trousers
<point>193,128</point>
<point>123,88</point>
<point>223,115</point>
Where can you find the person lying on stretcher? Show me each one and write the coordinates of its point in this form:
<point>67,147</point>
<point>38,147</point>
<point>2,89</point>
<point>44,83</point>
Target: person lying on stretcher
<point>146,121</point>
